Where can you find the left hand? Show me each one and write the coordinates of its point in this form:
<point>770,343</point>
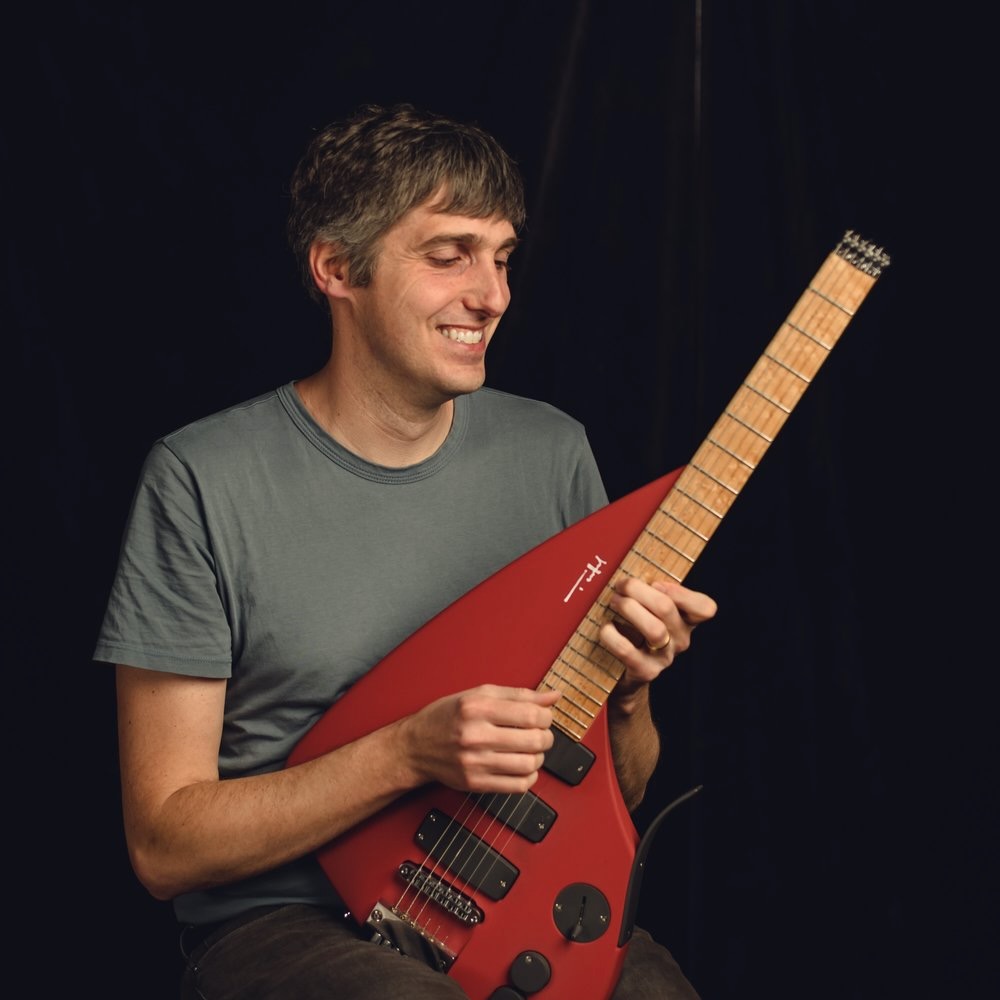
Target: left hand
<point>660,617</point>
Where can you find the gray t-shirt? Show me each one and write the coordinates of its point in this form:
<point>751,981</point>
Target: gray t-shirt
<point>259,550</point>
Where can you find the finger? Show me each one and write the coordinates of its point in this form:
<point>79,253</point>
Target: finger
<point>693,606</point>
<point>516,707</point>
<point>540,696</point>
<point>658,647</point>
<point>641,665</point>
<point>521,764</point>
<point>646,625</point>
<point>501,783</point>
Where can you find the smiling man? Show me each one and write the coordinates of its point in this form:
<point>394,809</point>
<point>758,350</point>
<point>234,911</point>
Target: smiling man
<point>411,341</point>
<point>277,550</point>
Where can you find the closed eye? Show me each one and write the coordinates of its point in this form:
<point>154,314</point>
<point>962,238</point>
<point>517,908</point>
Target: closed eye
<point>444,261</point>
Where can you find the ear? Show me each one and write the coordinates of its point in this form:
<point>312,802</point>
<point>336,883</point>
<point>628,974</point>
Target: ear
<point>329,269</point>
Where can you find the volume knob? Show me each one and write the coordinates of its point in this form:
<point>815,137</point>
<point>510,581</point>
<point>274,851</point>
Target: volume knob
<point>530,971</point>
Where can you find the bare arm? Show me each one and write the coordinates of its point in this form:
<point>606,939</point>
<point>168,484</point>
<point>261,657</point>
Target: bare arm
<point>186,829</point>
<point>663,612</point>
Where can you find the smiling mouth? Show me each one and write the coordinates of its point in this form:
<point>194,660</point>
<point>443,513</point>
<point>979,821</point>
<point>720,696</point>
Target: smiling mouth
<point>461,336</point>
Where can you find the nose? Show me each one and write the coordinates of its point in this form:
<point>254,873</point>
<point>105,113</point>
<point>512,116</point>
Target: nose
<point>488,291</point>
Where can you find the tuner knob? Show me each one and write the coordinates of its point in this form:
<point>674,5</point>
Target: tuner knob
<point>530,971</point>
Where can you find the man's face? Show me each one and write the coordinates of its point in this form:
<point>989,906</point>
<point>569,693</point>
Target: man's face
<point>439,290</point>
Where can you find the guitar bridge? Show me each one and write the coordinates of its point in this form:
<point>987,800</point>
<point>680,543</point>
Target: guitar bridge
<point>435,888</point>
<point>395,930</point>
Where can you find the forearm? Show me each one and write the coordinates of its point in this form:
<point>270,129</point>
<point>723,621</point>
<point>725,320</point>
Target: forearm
<point>635,743</point>
<point>211,832</point>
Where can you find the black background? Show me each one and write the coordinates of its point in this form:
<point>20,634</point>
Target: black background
<point>688,167</point>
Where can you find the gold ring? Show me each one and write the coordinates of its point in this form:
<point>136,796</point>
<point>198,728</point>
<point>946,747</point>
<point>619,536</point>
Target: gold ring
<point>663,645</point>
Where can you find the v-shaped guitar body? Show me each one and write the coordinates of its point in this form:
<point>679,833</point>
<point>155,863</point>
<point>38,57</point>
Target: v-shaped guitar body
<point>508,630</point>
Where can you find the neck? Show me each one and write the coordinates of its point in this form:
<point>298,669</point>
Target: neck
<point>374,425</point>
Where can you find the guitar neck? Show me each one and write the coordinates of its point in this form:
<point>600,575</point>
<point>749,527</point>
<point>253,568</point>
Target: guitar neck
<point>673,539</point>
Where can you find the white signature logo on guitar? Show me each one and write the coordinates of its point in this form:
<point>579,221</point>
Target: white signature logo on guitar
<point>586,576</point>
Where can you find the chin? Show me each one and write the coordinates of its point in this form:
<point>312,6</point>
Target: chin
<point>468,381</point>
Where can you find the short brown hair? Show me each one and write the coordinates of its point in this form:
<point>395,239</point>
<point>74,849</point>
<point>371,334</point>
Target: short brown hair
<point>359,177</point>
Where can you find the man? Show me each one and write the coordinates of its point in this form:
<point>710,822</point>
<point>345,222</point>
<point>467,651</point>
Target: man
<point>276,551</point>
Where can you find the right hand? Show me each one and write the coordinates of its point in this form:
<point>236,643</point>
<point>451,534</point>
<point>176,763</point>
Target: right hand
<point>486,739</point>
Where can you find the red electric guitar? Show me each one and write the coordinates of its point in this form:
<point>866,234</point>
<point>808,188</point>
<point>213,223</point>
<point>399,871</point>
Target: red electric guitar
<point>535,894</point>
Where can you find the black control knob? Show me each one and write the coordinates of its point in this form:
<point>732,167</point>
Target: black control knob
<point>582,912</point>
<point>530,971</point>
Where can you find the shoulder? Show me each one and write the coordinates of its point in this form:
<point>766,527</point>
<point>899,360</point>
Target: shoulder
<point>521,412</point>
<point>221,448</point>
<point>234,426</point>
<point>541,447</point>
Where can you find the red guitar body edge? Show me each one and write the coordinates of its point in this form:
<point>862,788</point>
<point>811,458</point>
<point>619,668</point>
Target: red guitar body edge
<point>508,630</point>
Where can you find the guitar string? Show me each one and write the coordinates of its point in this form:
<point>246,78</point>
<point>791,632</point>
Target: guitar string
<point>462,879</point>
<point>433,870</point>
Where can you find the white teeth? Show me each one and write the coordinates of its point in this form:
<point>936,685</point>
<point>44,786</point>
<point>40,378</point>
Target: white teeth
<point>462,336</point>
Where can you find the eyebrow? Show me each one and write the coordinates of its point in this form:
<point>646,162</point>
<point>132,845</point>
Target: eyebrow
<point>465,239</point>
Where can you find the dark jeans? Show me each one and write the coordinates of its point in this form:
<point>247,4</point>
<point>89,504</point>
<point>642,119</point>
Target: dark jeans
<point>306,953</point>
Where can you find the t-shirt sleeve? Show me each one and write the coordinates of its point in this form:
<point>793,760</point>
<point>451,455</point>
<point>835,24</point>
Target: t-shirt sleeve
<point>165,611</point>
<point>586,487</point>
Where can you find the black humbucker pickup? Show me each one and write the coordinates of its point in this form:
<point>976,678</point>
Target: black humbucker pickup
<point>525,814</point>
<point>463,853</point>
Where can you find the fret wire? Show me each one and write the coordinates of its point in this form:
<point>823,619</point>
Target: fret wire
<point>656,563</point>
<point>785,409</point>
<point>807,333</point>
<point>688,525</point>
<point>695,541</point>
<point>590,680</point>
<point>739,458</point>
<point>589,658</point>
<point>715,479</point>
<point>697,502</point>
<point>577,732</point>
<point>670,545</point>
<point>716,499</point>
<point>707,474</point>
<point>686,555</point>
<point>788,369</point>
<point>833,302</point>
<point>586,711</point>
<point>743,423</point>
<point>594,623</point>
